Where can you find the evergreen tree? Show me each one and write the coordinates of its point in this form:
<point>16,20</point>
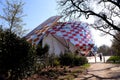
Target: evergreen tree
<point>17,57</point>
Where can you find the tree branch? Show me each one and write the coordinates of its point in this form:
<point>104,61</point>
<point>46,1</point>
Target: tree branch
<point>95,14</point>
<point>115,3</point>
<point>108,33</point>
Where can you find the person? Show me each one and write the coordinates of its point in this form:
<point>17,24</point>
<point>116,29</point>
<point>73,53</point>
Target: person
<point>100,55</point>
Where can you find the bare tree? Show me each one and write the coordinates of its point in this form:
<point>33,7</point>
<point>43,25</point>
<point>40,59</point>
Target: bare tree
<point>105,12</point>
<point>12,15</point>
<point>104,49</point>
<point>116,44</point>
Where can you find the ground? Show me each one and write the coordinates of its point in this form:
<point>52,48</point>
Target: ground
<point>101,71</point>
<point>96,71</point>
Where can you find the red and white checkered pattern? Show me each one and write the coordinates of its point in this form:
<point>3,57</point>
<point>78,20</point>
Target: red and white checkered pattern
<point>76,32</point>
<point>37,36</point>
<point>38,33</point>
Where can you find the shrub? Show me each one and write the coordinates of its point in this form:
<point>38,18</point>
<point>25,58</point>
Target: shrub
<point>42,56</point>
<point>16,55</point>
<point>66,59</point>
<point>56,62</point>
<point>114,59</point>
<point>41,51</point>
<point>80,60</point>
<point>53,60</point>
<point>70,59</point>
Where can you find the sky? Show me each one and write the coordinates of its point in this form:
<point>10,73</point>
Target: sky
<point>38,11</point>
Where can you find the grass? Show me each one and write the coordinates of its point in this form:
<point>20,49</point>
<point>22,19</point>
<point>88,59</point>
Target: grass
<point>81,69</point>
<point>86,66</point>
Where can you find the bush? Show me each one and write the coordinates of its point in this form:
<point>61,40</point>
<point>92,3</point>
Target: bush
<point>66,59</point>
<point>114,59</point>
<point>70,59</point>
<point>16,55</point>
<point>80,60</point>
<point>42,56</point>
<point>42,51</point>
<point>56,62</point>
